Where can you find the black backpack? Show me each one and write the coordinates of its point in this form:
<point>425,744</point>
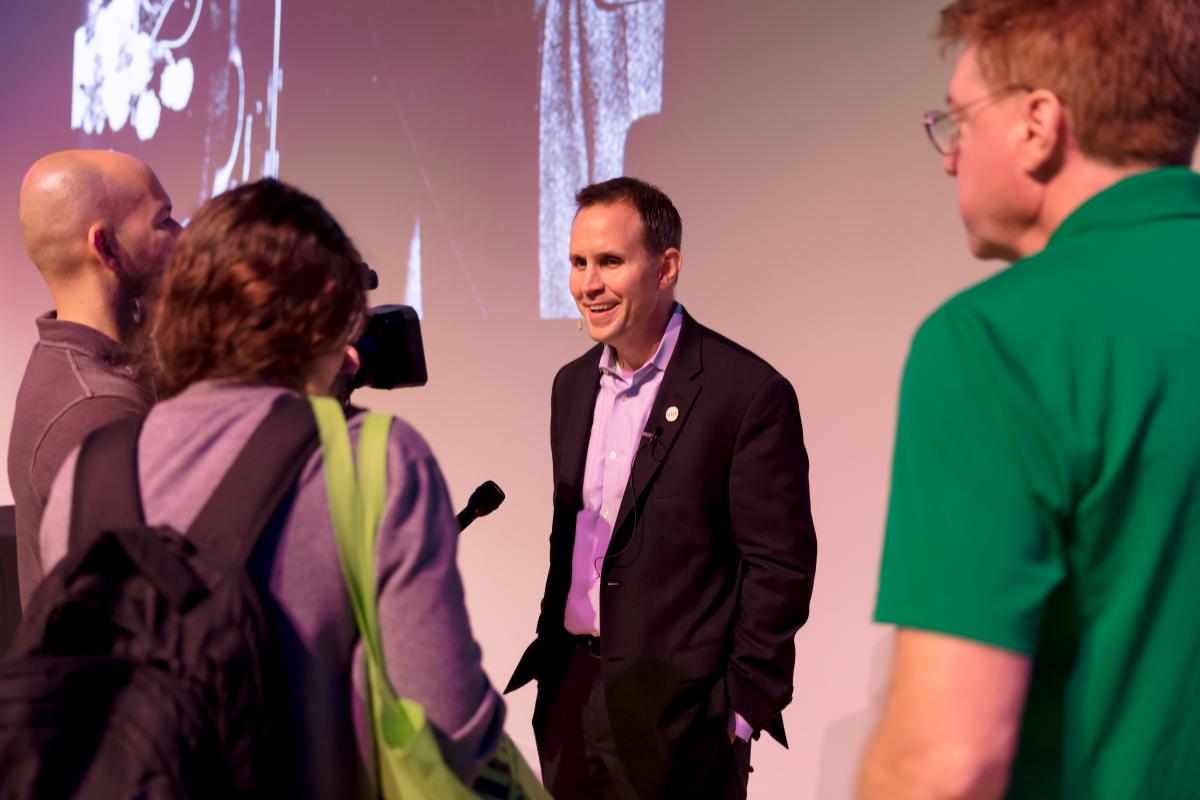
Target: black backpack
<point>145,666</point>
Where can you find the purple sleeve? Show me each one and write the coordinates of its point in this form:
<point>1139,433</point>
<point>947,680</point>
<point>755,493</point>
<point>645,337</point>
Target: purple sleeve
<point>431,655</point>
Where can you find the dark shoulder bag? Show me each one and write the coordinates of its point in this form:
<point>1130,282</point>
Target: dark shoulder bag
<point>145,666</point>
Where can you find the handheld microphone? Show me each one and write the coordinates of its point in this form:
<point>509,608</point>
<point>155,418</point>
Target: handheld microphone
<point>484,500</point>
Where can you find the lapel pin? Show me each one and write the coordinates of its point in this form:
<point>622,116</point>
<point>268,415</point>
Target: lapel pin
<point>672,413</point>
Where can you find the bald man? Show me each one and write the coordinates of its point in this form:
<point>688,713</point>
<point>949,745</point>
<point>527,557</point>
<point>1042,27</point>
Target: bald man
<point>98,226</point>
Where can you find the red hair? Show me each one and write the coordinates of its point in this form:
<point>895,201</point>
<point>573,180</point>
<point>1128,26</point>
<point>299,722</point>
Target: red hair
<point>1127,71</point>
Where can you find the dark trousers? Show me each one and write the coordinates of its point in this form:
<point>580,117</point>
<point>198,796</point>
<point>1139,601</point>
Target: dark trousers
<point>577,751</point>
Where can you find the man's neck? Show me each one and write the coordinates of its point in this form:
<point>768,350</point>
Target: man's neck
<point>634,357</point>
<point>627,363</point>
<point>1074,186</point>
<point>87,302</point>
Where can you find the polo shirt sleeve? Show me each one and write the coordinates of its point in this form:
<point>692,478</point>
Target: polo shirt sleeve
<point>970,548</point>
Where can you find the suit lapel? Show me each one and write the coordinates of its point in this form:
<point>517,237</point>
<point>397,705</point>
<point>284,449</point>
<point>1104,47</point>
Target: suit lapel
<point>581,406</point>
<point>672,408</point>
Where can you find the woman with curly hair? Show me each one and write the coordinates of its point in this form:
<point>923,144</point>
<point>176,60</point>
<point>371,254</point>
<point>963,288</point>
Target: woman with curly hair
<point>261,299</point>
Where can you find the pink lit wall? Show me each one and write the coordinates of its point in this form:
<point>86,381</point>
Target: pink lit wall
<point>818,231</point>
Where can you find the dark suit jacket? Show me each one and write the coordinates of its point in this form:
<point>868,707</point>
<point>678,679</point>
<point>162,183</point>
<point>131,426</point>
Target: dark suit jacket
<point>709,571</point>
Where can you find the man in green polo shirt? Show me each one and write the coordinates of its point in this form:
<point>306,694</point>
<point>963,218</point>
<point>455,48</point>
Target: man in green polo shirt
<point>1042,555</point>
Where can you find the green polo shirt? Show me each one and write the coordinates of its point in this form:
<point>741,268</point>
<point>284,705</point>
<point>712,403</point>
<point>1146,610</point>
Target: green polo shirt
<point>1046,490</point>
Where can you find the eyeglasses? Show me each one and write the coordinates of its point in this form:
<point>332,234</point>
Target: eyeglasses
<point>942,126</point>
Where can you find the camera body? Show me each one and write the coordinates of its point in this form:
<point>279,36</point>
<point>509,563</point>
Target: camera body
<point>391,350</point>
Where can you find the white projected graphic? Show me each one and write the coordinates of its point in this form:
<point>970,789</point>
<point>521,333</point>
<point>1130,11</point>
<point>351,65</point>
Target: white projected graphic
<point>412,285</point>
<point>243,130</point>
<point>117,52</point>
<point>602,68</point>
<point>127,72</point>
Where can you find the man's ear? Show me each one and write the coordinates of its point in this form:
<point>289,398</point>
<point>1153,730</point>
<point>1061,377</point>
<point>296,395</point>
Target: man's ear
<point>1043,133</point>
<point>669,264</point>
<point>103,246</point>
<point>351,361</point>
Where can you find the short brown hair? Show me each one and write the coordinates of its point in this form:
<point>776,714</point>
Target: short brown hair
<point>1127,71</point>
<point>662,227</point>
<point>261,282</point>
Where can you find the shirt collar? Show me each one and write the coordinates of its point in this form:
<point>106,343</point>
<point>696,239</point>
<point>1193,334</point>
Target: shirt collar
<point>1168,191</point>
<point>76,336</point>
<point>661,357</point>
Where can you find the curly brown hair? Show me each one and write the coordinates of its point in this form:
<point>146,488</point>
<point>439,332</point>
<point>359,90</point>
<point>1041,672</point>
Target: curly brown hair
<point>1128,71</point>
<point>261,282</point>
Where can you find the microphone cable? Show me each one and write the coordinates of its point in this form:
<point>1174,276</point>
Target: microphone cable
<point>653,440</point>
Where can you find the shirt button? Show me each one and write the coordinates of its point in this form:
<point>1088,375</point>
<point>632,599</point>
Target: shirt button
<point>612,456</point>
<point>604,513</point>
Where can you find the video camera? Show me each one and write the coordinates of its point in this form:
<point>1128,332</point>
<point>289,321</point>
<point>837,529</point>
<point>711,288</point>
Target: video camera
<point>391,349</point>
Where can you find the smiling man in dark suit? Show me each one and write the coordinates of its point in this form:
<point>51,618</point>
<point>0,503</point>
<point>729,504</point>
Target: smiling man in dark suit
<point>682,549</point>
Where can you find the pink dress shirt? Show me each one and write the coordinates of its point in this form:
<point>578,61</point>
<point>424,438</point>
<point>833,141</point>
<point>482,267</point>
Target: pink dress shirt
<point>623,406</point>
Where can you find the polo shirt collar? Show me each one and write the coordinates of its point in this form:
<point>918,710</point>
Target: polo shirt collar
<point>1138,198</point>
<point>76,336</point>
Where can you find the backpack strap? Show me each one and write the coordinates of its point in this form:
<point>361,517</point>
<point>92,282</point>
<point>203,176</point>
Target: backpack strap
<point>262,475</point>
<point>106,493</point>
